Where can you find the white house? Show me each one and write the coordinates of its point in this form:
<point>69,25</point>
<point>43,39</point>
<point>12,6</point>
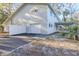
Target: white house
<point>37,18</point>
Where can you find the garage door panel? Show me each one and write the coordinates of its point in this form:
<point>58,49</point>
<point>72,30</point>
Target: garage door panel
<point>35,29</point>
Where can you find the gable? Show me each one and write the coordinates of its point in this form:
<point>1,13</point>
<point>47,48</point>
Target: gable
<point>30,13</point>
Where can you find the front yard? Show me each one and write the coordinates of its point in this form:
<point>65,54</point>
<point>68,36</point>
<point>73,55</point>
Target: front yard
<point>34,46</point>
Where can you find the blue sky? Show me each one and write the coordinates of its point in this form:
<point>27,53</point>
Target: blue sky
<point>76,6</point>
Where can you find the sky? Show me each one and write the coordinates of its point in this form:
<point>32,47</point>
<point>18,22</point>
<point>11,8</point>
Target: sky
<point>76,6</point>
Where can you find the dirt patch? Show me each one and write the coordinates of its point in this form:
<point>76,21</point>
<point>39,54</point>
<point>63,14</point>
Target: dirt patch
<point>67,44</point>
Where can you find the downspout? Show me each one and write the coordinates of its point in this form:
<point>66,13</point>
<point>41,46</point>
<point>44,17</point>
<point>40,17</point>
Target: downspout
<point>54,12</point>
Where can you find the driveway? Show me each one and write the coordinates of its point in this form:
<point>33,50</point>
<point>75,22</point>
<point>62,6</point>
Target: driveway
<point>10,43</point>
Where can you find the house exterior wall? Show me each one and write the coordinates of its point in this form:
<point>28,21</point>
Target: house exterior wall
<point>40,22</point>
<point>37,21</point>
<point>51,21</point>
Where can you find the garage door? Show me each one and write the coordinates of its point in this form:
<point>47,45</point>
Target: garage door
<point>35,28</point>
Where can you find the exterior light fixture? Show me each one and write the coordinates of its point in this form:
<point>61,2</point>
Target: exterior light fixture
<point>34,9</point>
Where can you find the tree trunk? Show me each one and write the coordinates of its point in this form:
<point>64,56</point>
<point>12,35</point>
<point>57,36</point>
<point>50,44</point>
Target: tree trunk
<point>76,37</point>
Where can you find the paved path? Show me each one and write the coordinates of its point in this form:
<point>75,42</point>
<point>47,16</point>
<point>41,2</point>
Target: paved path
<point>8,44</point>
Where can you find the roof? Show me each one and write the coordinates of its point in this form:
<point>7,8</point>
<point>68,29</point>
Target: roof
<point>54,12</point>
<point>65,23</point>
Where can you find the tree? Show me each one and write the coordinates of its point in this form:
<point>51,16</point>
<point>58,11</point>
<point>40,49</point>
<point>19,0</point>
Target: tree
<point>67,10</point>
<point>64,9</point>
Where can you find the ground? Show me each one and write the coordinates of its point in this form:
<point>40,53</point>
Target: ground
<point>19,45</point>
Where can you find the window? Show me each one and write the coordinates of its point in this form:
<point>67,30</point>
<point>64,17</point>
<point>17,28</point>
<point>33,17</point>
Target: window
<point>50,25</point>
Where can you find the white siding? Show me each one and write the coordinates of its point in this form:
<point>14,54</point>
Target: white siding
<point>51,21</point>
<point>39,25</point>
<point>21,18</point>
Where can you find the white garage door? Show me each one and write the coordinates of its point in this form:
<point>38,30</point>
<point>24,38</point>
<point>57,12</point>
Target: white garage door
<point>35,28</point>
<point>17,29</point>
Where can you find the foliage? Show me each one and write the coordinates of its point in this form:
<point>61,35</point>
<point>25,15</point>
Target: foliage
<point>64,9</point>
<point>73,31</point>
<point>67,10</point>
